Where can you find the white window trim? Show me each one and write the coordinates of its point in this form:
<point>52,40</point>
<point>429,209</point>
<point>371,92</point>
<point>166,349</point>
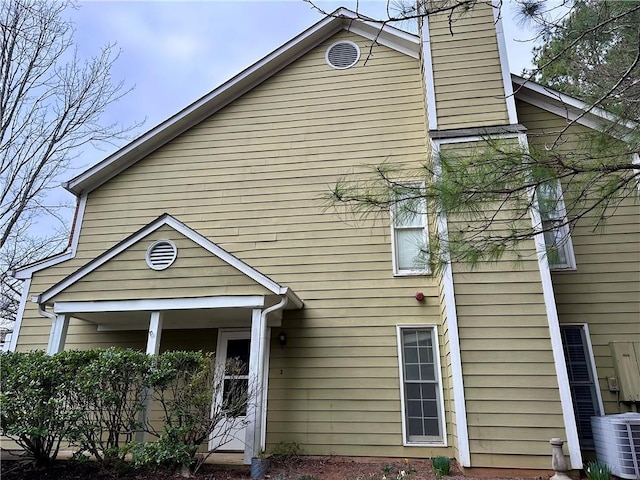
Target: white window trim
<point>397,272</point>
<point>440,390</point>
<point>565,231</point>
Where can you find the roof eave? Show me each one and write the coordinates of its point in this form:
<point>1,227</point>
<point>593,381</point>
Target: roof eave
<point>595,117</point>
<point>226,93</point>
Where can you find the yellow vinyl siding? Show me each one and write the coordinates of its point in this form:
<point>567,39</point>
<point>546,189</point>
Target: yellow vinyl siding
<point>468,84</point>
<point>507,362</point>
<point>603,292</point>
<point>253,179</point>
<point>196,272</point>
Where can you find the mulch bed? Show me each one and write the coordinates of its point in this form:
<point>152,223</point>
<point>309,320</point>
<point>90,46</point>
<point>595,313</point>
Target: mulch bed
<point>300,469</point>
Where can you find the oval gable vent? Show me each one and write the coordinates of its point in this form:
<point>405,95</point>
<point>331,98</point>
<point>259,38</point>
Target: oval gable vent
<point>343,55</point>
<point>161,254</point>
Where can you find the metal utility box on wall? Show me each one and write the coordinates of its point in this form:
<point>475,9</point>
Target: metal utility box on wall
<point>626,362</point>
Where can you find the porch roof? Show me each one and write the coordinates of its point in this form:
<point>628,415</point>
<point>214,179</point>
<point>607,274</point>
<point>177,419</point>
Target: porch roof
<point>203,277</point>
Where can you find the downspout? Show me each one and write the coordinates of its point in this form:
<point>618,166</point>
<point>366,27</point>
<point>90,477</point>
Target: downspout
<point>261,397</point>
<point>44,313</point>
<point>53,318</point>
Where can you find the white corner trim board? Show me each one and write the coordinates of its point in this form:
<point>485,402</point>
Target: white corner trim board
<point>504,65</point>
<point>428,78</point>
<point>462,430</point>
<point>564,390</point>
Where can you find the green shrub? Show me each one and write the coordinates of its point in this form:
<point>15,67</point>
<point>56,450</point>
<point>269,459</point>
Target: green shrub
<point>286,452</point>
<point>111,393</point>
<point>597,471</point>
<point>168,450</point>
<point>96,401</point>
<point>184,384</point>
<point>35,402</point>
<point>441,466</point>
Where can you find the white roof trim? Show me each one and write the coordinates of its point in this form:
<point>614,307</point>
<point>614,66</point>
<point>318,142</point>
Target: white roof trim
<point>566,106</point>
<point>26,271</point>
<point>341,19</point>
<point>161,304</point>
<point>180,227</point>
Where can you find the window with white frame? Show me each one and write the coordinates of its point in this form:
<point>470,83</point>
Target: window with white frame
<point>422,406</point>
<point>557,236</point>
<point>409,229</point>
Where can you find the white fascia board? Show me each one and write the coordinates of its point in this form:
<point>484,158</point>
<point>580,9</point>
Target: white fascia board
<point>562,110</point>
<point>295,300</point>
<point>398,40</point>
<point>231,90</point>
<point>504,64</point>
<point>180,227</point>
<point>204,107</point>
<point>100,306</point>
<point>562,376</point>
<point>27,271</point>
<point>563,101</point>
<point>19,315</point>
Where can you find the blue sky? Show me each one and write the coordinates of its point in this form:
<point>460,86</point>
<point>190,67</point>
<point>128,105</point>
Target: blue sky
<point>173,52</point>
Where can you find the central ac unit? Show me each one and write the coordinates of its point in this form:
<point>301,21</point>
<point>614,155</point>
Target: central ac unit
<point>617,441</point>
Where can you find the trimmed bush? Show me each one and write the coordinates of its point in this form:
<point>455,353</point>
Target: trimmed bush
<point>36,408</point>
<point>111,392</point>
<point>95,400</point>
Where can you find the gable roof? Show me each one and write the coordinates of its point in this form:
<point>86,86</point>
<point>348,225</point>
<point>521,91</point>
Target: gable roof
<point>180,227</point>
<point>341,19</point>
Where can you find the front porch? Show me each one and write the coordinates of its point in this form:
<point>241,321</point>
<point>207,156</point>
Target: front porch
<point>122,291</point>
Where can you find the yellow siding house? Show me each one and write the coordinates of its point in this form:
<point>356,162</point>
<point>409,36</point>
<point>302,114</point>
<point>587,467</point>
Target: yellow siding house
<point>211,232</point>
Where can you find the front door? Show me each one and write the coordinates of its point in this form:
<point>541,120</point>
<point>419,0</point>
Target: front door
<point>232,344</point>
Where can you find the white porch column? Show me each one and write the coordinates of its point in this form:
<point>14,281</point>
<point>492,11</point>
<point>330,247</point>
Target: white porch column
<point>256,387</point>
<point>153,348</point>
<point>58,334</point>
<point>155,333</point>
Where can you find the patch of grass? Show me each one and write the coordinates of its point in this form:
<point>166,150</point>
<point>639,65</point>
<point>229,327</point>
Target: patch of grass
<point>441,466</point>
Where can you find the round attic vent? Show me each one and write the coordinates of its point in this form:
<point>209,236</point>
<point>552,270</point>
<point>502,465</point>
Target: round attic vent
<point>161,254</point>
<point>343,55</point>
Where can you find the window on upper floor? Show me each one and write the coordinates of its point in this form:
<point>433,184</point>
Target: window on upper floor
<point>409,231</point>
<point>557,235</point>
<point>420,382</point>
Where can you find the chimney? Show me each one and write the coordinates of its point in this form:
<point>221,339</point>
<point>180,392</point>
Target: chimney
<point>466,72</point>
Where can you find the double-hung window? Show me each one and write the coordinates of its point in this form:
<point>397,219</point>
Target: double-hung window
<point>422,406</point>
<point>557,236</point>
<point>409,229</point>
